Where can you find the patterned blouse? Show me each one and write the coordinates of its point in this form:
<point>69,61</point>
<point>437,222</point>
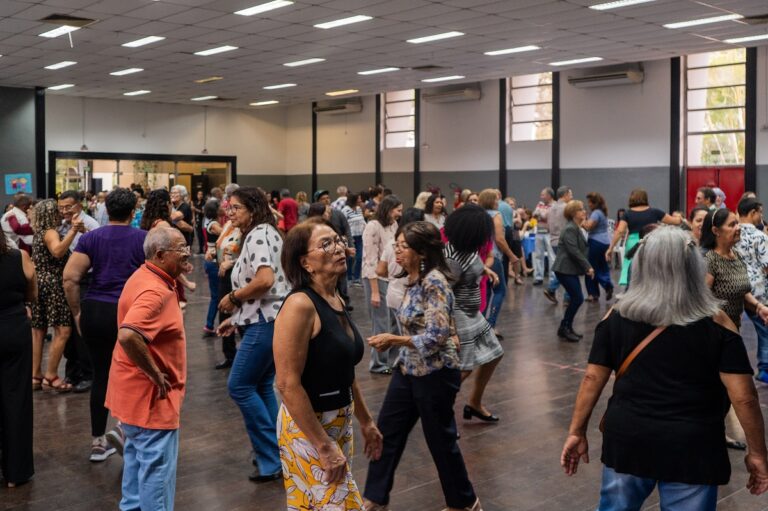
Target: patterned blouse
<point>425,315</point>
<point>228,243</point>
<point>731,283</point>
<point>753,249</point>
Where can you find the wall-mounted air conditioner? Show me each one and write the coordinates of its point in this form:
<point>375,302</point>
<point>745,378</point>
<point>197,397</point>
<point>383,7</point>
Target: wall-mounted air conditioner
<point>339,106</point>
<point>608,78</point>
<point>466,92</point>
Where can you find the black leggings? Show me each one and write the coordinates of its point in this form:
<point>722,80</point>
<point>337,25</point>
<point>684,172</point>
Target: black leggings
<point>98,322</point>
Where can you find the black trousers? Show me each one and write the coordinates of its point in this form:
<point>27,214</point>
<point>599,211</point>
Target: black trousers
<point>78,366</point>
<point>429,398</point>
<point>228,344</point>
<point>16,398</point>
<point>98,320</point>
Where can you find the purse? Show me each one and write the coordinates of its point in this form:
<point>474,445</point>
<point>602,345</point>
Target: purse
<point>627,361</point>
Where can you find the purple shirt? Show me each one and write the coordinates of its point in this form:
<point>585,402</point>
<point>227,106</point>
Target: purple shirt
<point>115,251</point>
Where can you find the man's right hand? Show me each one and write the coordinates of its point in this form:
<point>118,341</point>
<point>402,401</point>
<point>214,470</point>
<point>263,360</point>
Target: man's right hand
<point>757,466</point>
<point>163,385</point>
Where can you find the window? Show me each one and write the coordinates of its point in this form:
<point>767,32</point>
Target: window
<point>530,107</point>
<point>399,119</point>
<point>715,115</point>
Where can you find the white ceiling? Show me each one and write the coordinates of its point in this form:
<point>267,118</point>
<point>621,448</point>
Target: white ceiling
<point>565,29</point>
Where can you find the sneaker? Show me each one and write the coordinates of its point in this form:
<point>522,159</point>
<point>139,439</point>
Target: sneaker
<point>100,450</point>
<point>116,438</point>
<point>762,376</point>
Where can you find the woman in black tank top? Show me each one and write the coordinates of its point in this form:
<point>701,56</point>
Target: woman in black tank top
<point>316,348</point>
<point>19,285</point>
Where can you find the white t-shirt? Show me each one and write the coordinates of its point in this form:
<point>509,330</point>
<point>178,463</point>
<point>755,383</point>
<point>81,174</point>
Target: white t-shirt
<point>396,287</point>
<point>261,247</point>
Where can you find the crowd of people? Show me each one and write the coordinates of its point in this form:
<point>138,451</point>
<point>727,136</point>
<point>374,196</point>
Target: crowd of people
<point>108,274</point>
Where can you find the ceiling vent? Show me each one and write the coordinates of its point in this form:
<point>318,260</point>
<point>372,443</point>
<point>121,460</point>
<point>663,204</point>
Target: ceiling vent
<point>760,19</point>
<point>465,92</point>
<point>339,106</point>
<point>69,21</point>
<point>606,77</point>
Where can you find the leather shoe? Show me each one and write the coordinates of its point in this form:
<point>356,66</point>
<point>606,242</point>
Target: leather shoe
<point>470,412</point>
<point>567,334</point>
<point>224,365</point>
<point>82,386</point>
<point>576,333</point>
<point>258,478</point>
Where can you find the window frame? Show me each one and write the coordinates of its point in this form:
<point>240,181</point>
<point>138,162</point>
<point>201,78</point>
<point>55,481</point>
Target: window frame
<point>511,88</point>
<point>386,117</point>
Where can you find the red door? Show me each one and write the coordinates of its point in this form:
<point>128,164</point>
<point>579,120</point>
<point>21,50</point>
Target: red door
<point>729,179</point>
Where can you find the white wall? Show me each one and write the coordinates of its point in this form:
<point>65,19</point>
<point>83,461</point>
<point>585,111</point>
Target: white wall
<point>298,140</point>
<point>346,143</point>
<point>256,137</point>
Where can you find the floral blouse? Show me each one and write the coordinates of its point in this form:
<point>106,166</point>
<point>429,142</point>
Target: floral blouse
<point>425,315</point>
<point>753,249</point>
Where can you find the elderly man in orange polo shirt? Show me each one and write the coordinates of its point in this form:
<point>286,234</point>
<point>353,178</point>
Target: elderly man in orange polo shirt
<point>149,371</point>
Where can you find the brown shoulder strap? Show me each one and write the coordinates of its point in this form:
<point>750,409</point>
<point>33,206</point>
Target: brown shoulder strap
<point>635,352</point>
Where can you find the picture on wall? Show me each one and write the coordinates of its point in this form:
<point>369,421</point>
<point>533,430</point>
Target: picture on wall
<point>15,183</point>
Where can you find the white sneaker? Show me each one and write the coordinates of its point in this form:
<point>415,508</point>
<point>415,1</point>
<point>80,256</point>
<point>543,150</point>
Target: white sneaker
<point>100,450</point>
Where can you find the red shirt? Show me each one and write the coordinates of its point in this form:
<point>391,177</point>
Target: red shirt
<point>289,208</point>
<point>149,306</point>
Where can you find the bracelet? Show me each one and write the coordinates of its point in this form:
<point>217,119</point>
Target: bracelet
<point>234,300</point>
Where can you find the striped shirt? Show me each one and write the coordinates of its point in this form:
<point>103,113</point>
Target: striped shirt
<point>468,270</point>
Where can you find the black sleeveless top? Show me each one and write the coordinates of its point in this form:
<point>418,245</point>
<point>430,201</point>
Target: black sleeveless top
<point>331,357</point>
<point>13,283</point>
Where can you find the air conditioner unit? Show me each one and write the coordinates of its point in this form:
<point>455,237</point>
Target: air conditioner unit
<point>605,79</point>
<point>463,93</point>
<point>340,106</point>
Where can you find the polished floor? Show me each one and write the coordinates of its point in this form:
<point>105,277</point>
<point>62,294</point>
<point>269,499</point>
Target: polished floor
<point>513,464</point>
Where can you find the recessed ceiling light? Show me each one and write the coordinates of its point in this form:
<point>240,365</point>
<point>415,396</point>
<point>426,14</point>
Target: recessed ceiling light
<point>618,4</point>
<point>443,78</point>
<point>747,39</point>
<point>257,9</point>
<point>575,61</point>
<point>343,21</point>
<point>62,86</point>
<point>65,63</point>
<point>303,62</point>
<point>56,32</point>
<point>279,86</point>
<point>265,103</point>
<point>519,49</point>
<point>214,51</point>
<point>377,71</point>
<point>704,21</point>
<point>145,40</point>
<point>341,92</point>
<point>128,71</point>
<point>137,93</point>
<point>209,79</point>
<point>203,98</point>
<point>436,37</point>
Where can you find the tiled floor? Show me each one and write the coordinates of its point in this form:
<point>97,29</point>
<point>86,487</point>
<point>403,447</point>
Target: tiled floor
<point>514,464</point>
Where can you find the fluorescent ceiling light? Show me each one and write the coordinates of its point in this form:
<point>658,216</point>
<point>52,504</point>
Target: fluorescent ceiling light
<point>341,92</point>
<point>436,37</point>
<point>619,3</point>
<point>575,61</point>
<point>65,63</point>
<point>704,21</point>
<point>378,71</point>
<point>265,103</point>
<point>747,39</point>
<point>209,79</point>
<point>280,86</point>
<point>204,98</point>
<point>343,21</point>
<point>128,71</point>
<point>62,86</point>
<point>519,49</point>
<point>214,51</point>
<point>303,62</point>
<point>56,32</point>
<point>443,78</point>
<point>137,93</point>
<point>143,41</point>
<point>258,9</point>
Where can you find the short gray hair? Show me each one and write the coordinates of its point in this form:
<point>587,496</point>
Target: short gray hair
<point>668,281</point>
<point>563,191</point>
<point>231,187</point>
<point>159,239</point>
<point>181,189</point>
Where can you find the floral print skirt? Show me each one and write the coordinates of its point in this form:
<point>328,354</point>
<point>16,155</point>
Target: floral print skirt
<point>302,471</point>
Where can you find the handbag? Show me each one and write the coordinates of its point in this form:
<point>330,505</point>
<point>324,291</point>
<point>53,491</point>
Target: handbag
<point>627,361</point>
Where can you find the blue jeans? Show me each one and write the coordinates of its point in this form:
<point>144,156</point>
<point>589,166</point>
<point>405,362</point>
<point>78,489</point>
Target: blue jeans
<point>624,492</point>
<point>499,293</point>
<point>572,285</point>
<point>149,468</point>
<point>762,341</point>
<point>600,265</point>
<point>212,270</point>
<point>251,388</point>
<point>355,264</point>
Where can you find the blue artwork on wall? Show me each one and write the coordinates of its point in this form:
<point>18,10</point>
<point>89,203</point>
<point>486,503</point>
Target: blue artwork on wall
<point>15,183</point>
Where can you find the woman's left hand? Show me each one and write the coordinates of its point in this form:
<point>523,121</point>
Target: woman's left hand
<point>381,341</point>
<point>492,276</point>
<point>576,448</point>
<point>226,306</point>
<point>373,440</point>
<point>762,311</point>
<point>226,328</point>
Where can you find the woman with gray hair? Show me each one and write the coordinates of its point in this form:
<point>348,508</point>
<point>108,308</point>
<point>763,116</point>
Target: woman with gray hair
<point>679,360</point>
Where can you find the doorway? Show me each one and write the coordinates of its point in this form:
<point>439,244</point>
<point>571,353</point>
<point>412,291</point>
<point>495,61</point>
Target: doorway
<point>729,179</point>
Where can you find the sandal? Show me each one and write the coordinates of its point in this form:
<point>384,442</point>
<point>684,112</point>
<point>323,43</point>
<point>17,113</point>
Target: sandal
<point>37,383</point>
<point>61,388</point>
<point>519,280</point>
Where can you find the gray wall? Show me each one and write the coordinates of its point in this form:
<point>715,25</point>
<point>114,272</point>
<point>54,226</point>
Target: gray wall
<point>267,182</point>
<point>17,136</point>
<point>762,182</point>
<point>525,185</point>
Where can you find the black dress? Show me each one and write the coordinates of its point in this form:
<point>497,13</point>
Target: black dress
<point>15,373</point>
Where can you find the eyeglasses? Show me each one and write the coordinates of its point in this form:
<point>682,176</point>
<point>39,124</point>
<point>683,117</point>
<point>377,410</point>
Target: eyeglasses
<point>399,247</point>
<point>185,251</point>
<point>67,207</point>
<point>329,246</point>
<point>235,207</point>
